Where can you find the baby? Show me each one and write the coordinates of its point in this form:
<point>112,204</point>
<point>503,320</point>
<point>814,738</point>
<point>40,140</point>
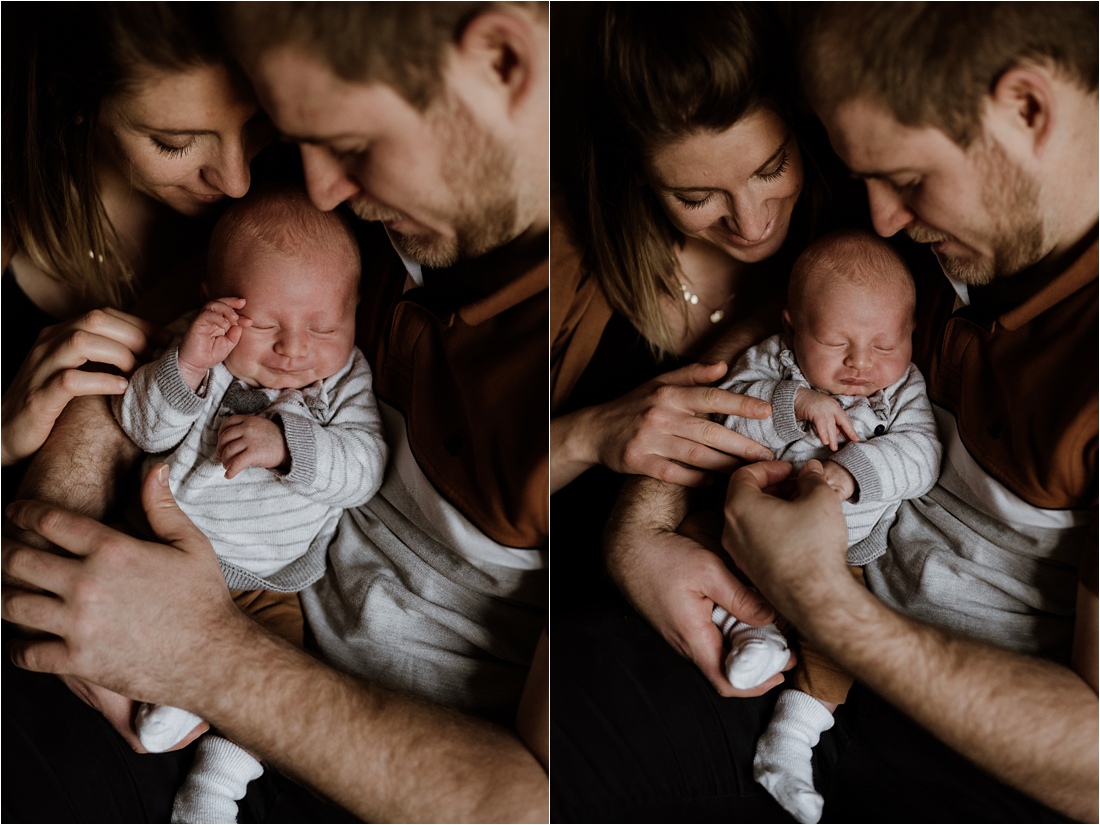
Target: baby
<point>263,411</point>
<point>842,391</point>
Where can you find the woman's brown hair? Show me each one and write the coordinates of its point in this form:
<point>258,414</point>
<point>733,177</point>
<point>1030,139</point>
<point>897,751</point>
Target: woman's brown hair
<point>61,61</point>
<point>660,72</point>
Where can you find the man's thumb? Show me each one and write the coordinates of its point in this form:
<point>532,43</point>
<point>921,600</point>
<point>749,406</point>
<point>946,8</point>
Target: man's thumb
<point>168,521</point>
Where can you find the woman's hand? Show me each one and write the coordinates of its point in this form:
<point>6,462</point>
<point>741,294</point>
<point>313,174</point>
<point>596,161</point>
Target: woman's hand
<point>658,430</point>
<point>51,376</point>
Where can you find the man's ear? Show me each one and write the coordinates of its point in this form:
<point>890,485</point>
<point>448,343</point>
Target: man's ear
<point>1021,112</point>
<point>497,55</point>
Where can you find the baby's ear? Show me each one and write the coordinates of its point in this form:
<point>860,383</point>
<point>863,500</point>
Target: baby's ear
<point>788,328</point>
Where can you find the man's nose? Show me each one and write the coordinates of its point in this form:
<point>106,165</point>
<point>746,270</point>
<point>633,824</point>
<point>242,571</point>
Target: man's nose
<point>328,183</point>
<point>889,213</point>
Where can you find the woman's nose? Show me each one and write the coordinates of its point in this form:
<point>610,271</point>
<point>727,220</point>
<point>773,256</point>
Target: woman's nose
<point>749,218</point>
<point>230,173</point>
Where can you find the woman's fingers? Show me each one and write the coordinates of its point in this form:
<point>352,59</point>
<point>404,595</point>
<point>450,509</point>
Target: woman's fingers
<point>89,332</point>
<point>81,346</point>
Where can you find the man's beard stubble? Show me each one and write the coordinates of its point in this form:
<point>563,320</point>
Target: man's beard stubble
<point>478,173</point>
<point>1011,200</point>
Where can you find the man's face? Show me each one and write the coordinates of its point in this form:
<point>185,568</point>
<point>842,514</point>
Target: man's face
<point>443,185</point>
<point>977,207</point>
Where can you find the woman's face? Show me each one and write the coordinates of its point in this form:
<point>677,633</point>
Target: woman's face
<point>185,138</point>
<point>735,189</point>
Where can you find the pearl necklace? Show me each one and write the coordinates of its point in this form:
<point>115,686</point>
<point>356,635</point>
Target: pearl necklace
<point>692,298</point>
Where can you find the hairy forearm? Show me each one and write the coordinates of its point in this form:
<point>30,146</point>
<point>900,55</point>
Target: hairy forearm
<point>384,756</point>
<point>1028,721</point>
<point>646,504</point>
<point>84,462</point>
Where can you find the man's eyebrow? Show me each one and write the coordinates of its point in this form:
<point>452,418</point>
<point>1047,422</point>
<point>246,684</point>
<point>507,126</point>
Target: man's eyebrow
<point>317,139</point>
<point>879,174</point>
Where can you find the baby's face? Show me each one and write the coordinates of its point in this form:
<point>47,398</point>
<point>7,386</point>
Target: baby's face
<point>852,341</point>
<point>302,312</point>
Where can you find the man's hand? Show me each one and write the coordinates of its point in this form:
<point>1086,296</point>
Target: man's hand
<point>828,417</point>
<point>130,615</point>
<point>661,430</point>
<point>52,376</point>
<point>792,549</point>
<point>251,441</point>
<point>119,711</point>
<point>674,581</point>
<point>213,334</point>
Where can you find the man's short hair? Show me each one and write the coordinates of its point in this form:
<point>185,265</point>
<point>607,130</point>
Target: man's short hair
<point>932,64</point>
<point>400,44</point>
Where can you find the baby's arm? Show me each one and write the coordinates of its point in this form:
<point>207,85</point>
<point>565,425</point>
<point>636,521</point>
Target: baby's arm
<point>213,334</point>
<point>252,441</point>
<point>340,462</point>
<point>903,462</point>
<point>759,373</point>
<point>825,413</point>
<point>162,403</point>
<point>840,479</point>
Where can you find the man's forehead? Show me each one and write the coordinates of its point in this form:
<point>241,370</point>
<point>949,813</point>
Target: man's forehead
<point>874,143</point>
<point>309,102</point>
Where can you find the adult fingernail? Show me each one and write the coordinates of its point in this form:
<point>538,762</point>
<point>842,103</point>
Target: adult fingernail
<point>162,475</point>
<point>763,613</point>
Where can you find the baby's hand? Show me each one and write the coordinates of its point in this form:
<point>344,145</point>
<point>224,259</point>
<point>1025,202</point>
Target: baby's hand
<point>251,441</point>
<point>210,338</point>
<point>840,479</point>
<point>827,416</point>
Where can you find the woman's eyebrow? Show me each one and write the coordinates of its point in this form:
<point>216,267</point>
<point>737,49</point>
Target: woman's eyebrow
<point>160,131</point>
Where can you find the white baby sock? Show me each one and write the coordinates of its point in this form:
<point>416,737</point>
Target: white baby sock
<point>218,778</point>
<point>161,726</point>
<point>756,653</point>
<point>784,754</point>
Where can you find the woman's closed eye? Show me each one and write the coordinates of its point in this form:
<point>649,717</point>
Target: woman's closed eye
<point>174,149</point>
<point>693,203</point>
<point>779,170</point>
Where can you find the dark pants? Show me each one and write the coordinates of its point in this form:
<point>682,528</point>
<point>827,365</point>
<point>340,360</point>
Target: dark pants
<point>64,763</point>
<point>638,735</point>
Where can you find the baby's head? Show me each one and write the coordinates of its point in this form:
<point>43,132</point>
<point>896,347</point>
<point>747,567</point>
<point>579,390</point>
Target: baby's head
<point>298,270</point>
<point>850,314</point>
